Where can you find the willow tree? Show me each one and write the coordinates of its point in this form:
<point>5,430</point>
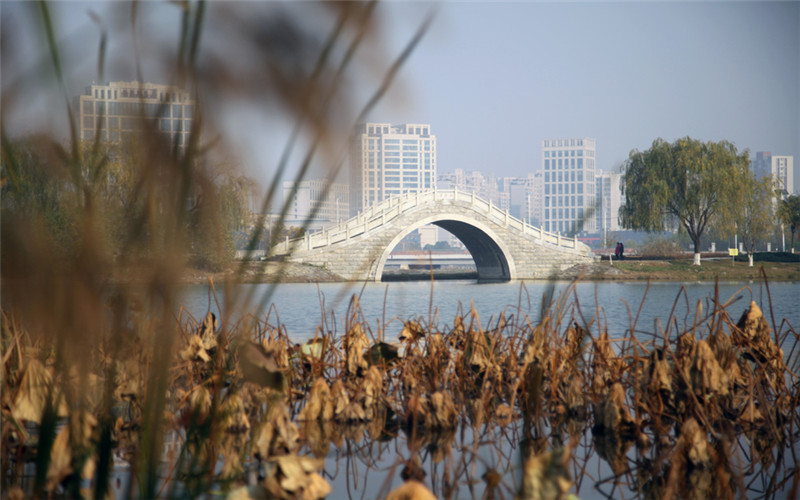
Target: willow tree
<point>687,183</point>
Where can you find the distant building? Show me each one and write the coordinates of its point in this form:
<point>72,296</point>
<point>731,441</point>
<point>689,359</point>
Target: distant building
<point>609,198</point>
<point>390,160</point>
<point>117,109</point>
<point>521,196</point>
<point>315,202</point>
<point>487,187</point>
<point>781,168</point>
<point>535,202</point>
<point>569,185</point>
<point>428,235</point>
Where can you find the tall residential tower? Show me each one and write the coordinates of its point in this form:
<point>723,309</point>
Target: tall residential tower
<point>390,160</point>
<point>781,168</point>
<point>569,185</point>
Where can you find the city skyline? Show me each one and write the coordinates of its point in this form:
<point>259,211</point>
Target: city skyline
<point>494,80</point>
<point>623,73</point>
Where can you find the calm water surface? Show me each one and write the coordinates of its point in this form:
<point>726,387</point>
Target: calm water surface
<point>301,308</point>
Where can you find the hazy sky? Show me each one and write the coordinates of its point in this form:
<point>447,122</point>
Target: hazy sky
<point>495,79</point>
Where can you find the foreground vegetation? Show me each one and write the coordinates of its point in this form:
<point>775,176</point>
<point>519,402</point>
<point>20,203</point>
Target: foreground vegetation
<point>711,411</point>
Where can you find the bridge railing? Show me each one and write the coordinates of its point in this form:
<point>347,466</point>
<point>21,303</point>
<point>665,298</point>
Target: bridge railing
<point>391,208</point>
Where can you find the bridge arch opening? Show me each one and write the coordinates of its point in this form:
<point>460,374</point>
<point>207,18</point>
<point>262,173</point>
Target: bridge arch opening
<point>492,258</point>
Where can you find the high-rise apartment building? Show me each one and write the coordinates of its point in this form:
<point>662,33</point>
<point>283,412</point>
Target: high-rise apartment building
<point>781,168</point>
<point>761,165</point>
<point>390,160</point>
<point>609,201</point>
<point>117,109</point>
<point>569,185</point>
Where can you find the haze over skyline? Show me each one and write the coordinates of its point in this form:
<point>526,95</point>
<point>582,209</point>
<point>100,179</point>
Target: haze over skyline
<point>495,79</point>
<point>502,77</point>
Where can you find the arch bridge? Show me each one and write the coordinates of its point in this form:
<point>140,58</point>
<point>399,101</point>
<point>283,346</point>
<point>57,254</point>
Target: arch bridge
<point>502,246</point>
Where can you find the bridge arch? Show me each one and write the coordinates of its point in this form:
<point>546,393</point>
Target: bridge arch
<point>493,258</point>
<point>502,246</point>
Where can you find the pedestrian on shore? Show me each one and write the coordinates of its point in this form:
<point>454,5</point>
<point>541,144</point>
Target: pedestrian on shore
<point>621,251</point>
<point>616,250</point>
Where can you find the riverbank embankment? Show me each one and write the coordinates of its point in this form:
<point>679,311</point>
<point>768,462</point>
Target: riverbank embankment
<point>630,269</point>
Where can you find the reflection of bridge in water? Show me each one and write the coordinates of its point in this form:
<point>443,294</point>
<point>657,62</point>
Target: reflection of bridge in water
<point>503,247</point>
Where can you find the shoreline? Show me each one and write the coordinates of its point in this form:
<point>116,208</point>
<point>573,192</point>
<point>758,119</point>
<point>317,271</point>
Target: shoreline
<point>630,269</point>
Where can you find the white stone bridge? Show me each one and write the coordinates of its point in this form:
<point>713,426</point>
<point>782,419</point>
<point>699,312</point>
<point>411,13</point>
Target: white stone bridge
<point>502,246</point>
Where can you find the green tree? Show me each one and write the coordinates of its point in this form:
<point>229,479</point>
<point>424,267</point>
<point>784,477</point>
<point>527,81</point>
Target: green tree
<point>753,217</point>
<point>688,184</point>
<point>789,214</point>
<point>438,246</point>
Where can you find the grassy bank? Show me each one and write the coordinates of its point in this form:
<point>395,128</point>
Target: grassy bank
<point>723,269</point>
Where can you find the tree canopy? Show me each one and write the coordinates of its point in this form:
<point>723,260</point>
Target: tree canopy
<point>111,197</point>
<point>753,215</point>
<point>789,213</point>
<point>687,184</point>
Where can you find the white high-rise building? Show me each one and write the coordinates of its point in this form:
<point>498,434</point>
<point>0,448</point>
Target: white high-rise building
<point>781,168</point>
<point>390,160</point>
<point>569,185</point>
<point>609,197</point>
<point>117,109</point>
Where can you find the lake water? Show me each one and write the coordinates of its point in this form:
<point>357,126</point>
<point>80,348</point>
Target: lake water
<point>300,308</point>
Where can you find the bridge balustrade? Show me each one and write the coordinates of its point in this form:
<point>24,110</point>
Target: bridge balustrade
<point>391,208</point>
